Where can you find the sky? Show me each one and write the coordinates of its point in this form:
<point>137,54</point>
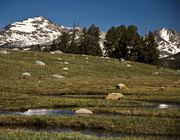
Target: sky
<point>149,14</point>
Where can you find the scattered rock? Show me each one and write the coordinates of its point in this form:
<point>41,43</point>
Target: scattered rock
<point>59,76</point>
<point>39,82</point>
<point>66,63</point>
<point>162,88</point>
<point>56,52</point>
<point>121,86</point>
<point>106,57</point>
<point>122,60</point>
<point>4,52</point>
<point>155,73</point>
<point>84,111</point>
<point>128,65</point>
<point>40,63</point>
<point>65,68</point>
<point>163,106</point>
<point>59,59</point>
<point>178,70</point>
<point>114,96</point>
<point>26,74</point>
<point>86,58</point>
<point>177,83</point>
<point>15,49</point>
<point>26,49</point>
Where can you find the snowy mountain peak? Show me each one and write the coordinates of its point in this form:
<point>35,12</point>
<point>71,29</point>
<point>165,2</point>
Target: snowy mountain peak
<point>36,31</point>
<point>31,31</point>
<point>40,31</point>
<point>168,41</point>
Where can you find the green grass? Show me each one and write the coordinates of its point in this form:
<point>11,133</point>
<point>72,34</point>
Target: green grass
<point>23,134</point>
<point>86,84</point>
<point>125,125</point>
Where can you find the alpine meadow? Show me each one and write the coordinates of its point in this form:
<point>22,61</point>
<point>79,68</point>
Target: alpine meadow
<point>90,70</point>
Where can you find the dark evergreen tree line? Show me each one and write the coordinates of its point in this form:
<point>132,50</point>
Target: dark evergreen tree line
<point>88,42</point>
<point>120,42</point>
<point>125,42</point>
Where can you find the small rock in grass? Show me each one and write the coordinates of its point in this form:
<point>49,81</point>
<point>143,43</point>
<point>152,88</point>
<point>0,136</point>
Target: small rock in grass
<point>56,52</point>
<point>128,65</point>
<point>15,49</point>
<point>4,52</point>
<point>122,86</point>
<point>26,49</point>
<point>40,63</point>
<point>39,82</point>
<point>162,88</point>
<point>106,57</point>
<point>155,73</point>
<point>84,111</point>
<point>177,83</point>
<point>65,68</point>
<point>26,74</point>
<point>59,59</point>
<point>66,63</point>
<point>122,60</point>
<point>59,76</point>
<point>114,96</point>
<point>163,106</point>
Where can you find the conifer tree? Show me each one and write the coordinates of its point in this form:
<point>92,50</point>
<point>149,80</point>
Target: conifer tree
<point>90,41</point>
<point>64,42</point>
<point>111,41</point>
<point>151,50</point>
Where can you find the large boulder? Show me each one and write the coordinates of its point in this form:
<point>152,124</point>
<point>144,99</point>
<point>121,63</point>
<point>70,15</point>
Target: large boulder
<point>114,96</point>
<point>84,111</point>
<point>122,86</point>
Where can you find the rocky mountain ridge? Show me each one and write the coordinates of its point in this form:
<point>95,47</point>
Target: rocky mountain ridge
<point>168,42</point>
<point>40,31</point>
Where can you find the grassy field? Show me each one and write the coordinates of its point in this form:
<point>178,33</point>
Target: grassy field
<point>86,83</point>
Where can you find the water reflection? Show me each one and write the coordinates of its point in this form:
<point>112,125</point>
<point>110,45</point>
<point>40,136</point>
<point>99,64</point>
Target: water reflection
<point>40,112</point>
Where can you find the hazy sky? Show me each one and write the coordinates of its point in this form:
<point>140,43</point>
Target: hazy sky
<point>152,14</point>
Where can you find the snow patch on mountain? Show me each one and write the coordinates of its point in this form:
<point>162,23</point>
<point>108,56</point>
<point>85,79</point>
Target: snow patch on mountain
<point>168,42</point>
<point>164,34</point>
<point>26,27</point>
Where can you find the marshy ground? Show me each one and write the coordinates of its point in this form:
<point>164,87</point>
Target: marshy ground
<point>150,108</point>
